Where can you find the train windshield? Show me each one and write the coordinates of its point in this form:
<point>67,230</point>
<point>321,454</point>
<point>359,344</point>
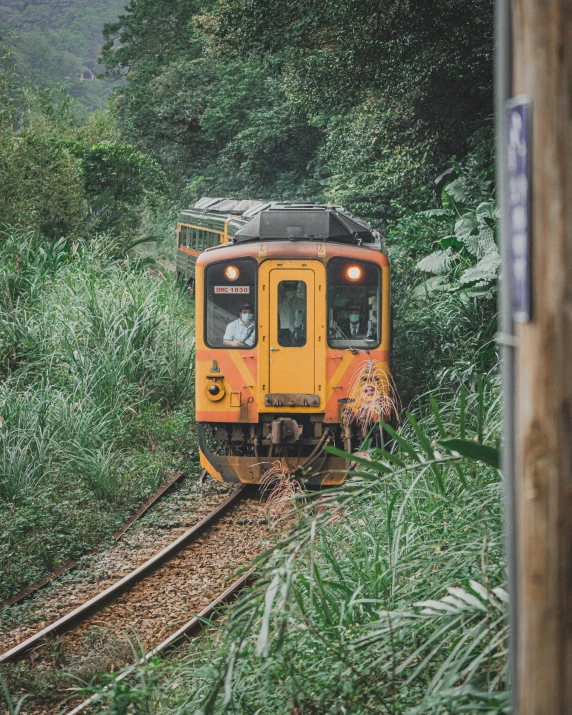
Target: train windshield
<point>230,316</point>
<point>354,311</point>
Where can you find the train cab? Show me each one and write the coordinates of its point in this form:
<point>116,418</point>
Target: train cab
<point>293,342</point>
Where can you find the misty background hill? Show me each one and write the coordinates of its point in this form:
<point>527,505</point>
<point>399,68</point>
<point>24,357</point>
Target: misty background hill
<point>58,42</point>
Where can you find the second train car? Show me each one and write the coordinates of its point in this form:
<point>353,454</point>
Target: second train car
<point>292,338</point>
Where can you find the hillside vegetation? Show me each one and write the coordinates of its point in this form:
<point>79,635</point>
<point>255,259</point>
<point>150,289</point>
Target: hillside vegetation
<point>55,42</point>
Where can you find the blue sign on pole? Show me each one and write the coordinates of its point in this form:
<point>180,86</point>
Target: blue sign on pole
<point>518,160</point>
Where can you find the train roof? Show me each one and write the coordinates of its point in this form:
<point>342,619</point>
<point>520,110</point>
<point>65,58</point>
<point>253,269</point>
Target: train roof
<point>305,221</point>
<point>214,213</point>
<point>227,207</point>
<point>263,220</point>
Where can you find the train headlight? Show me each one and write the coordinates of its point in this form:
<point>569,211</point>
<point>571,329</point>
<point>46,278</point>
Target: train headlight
<point>353,273</point>
<point>231,272</point>
<point>214,390</point>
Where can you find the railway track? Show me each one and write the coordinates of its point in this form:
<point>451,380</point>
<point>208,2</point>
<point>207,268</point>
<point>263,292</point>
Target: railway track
<point>157,603</point>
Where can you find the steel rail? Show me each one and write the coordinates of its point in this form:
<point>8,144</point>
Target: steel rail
<point>130,579</point>
<point>173,639</point>
<point>143,509</point>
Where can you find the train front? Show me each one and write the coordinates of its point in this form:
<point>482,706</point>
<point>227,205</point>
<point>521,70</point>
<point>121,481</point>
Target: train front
<point>293,339</point>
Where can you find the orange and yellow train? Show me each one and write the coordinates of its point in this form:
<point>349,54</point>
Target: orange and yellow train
<point>292,338</point>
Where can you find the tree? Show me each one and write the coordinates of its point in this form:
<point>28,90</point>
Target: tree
<point>216,125</point>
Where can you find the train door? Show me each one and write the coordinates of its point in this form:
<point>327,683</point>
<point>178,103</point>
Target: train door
<point>292,293</point>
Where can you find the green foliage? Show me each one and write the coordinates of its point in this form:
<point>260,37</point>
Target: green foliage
<point>291,103</point>
<point>471,450</point>
<point>387,594</point>
<point>41,183</point>
<point>89,344</point>
<point>468,259</point>
<point>219,127</point>
<point>373,157</point>
<point>396,90</point>
<point>63,179</point>
<point>447,323</point>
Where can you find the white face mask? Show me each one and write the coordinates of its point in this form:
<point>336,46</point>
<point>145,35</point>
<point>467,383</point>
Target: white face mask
<point>246,317</point>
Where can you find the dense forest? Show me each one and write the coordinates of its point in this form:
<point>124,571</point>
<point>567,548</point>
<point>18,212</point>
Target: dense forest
<point>342,101</point>
<point>389,596</point>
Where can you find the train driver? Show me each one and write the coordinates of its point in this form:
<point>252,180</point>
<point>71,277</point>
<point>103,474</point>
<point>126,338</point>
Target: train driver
<point>240,333</point>
<point>355,326</point>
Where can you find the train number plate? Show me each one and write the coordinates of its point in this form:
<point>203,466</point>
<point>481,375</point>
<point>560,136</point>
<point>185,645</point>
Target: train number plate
<point>232,289</point>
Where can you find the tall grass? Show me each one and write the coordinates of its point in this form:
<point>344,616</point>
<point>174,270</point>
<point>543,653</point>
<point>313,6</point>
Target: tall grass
<point>86,341</point>
<point>387,595</point>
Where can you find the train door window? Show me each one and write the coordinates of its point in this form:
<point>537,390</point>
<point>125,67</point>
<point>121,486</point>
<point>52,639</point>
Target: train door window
<point>230,299</point>
<point>292,311</point>
<point>354,310</point>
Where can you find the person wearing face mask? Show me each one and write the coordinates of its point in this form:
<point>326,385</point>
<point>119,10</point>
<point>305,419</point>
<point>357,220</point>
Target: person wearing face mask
<point>240,333</point>
<point>355,326</point>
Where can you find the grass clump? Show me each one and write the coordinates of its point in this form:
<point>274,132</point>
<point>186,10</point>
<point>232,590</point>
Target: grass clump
<point>91,345</point>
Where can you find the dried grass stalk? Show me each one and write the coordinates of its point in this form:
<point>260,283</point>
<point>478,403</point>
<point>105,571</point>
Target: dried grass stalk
<point>373,396</point>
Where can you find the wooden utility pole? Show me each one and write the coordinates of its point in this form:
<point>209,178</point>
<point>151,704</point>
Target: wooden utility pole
<point>542,69</point>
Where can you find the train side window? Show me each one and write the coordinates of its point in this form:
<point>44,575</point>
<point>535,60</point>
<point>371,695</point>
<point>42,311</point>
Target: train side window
<point>354,309</point>
<point>292,310</point>
<point>230,298</point>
